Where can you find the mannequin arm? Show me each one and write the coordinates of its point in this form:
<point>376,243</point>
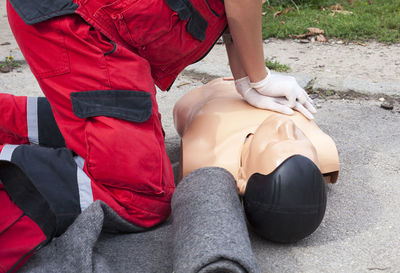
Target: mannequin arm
<point>244,20</point>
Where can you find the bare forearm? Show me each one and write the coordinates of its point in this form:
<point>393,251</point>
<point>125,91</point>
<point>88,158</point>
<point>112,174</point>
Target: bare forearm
<point>235,64</point>
<point>244,20</point>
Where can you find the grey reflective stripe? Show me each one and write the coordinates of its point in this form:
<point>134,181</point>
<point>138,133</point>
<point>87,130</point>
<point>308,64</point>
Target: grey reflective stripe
<point>7,152</point>
<point>32,120</point>
<point>84,184</point>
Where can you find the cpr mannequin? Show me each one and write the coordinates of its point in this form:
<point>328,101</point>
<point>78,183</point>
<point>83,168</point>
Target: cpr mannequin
<point>281,163</point>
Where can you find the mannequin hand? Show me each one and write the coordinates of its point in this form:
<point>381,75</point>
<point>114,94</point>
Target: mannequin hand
<point>277,104</point>
<point>277,85</point>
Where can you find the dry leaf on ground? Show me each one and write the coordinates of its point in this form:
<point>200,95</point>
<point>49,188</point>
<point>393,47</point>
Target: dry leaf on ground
<point>287,10</point>
<point>314,30</point>
<point>300,36</point>
<point>337,7</point>
<point>277,13</point>
<point>314,34</point>
<point>344,12</point>
<point>321,38</point>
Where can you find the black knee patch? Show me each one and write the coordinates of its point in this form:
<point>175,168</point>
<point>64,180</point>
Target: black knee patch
<point>45,174</point>
<point>288,204</point>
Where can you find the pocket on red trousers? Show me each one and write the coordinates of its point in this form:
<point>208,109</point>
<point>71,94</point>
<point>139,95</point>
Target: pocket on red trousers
<point>57,60</point>
<point>123,149</point>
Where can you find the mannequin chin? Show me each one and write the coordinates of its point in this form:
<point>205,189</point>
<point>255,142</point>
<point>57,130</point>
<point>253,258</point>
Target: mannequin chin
<point>288,204</point>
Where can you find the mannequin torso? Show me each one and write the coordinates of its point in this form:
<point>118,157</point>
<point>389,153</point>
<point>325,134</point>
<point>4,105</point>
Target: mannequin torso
<point>215,123</point>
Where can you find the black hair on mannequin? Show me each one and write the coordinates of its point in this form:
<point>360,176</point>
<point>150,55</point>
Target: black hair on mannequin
<point>288,204</point>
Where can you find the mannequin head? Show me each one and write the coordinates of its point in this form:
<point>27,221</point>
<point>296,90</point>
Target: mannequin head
<point>284,196</point>
<point>276,139</point>
<point>288,204</point>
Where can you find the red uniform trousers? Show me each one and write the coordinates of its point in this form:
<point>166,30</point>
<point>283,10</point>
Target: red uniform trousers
<point>98,75</point>
<point>125,160</point>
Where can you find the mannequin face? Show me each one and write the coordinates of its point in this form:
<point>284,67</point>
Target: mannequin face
<point>275,140</point>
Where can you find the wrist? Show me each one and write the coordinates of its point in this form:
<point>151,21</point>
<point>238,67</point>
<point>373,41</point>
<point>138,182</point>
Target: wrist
<point>261,82</point>
<point>259,75</point>
<point>242,85</point>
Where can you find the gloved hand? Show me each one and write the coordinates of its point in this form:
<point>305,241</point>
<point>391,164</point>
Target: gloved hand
<point>277,104</point>
<point>277,85</point>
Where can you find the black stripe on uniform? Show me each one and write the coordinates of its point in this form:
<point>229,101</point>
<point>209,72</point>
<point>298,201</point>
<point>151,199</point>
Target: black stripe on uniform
<point>48,131</point>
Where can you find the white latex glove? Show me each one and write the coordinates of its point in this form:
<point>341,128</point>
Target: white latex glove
<point>277,85</point>
<point>277,104</point>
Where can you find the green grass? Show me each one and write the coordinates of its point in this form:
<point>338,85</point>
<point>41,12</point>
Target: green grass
<point>9,63</point>
<point>379,21</point>
<point>277,66</point>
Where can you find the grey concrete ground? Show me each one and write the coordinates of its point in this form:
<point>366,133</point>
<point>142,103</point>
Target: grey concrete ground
<point>369,69</point>
<point>361,228</point>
